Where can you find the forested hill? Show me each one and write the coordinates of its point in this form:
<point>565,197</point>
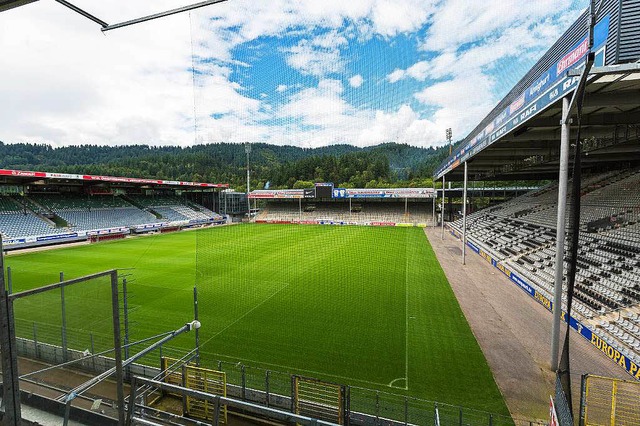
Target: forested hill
<point>388,164</point>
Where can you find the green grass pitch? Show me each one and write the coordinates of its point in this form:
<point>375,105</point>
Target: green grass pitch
<point>364,306</point>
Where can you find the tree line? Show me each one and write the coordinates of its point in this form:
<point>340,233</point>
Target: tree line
<point>385,165</point>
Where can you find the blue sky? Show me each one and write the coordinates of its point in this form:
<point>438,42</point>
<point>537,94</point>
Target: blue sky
<point>306,72</point>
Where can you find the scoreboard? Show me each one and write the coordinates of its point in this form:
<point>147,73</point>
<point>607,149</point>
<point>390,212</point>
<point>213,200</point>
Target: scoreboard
<point>324,190</point>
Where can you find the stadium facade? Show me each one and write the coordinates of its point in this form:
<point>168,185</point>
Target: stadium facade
<point>42,208</point>
<point>527,136</point>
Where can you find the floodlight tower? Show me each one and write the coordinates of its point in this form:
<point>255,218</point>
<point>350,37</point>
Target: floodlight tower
<point>247,149</point>
<point>449,136</point>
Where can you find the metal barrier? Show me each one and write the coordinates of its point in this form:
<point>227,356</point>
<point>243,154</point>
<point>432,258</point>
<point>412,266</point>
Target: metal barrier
<point>205,380</point>
<point>609,401</point>
<point>319,399</point>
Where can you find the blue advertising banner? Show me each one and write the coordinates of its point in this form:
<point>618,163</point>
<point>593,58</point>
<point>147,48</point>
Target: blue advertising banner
<point>550,86</point>
<point>57,237</point>
<point>609,350</point>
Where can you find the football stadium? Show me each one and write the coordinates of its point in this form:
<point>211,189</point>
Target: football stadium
<point>506,291</point>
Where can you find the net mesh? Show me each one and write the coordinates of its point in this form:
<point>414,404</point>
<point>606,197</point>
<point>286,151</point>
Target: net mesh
<point>87,323</point>
<point>285,296</point>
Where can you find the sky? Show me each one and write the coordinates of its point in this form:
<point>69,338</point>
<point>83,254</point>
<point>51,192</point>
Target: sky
<point>307,73</point>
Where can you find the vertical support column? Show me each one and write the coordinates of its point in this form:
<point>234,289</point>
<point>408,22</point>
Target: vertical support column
<point>117,346</point>
<point>435,198</point>
<point>64,320</point>
<point>10,382</point>
<point>300,209</point>
<point>9,281</point>
<point>125,313</point>
<point>195,317</point>
<point>406,206</point>
<point>442,212</point>
<point>350,209</point>
<point>563,179</point>
<point>464,217</point>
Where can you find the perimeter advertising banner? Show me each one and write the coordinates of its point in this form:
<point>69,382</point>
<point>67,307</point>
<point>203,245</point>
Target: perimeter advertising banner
<point>549,87</point>
<point>345,193</point>
<point>610,351</point>
<point>384,193</point>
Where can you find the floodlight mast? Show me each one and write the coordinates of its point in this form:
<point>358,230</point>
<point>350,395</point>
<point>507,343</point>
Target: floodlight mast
<point>247,149</point>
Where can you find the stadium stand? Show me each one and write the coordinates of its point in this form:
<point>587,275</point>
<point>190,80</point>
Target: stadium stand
<point>520,234</point>
<point>91,212</point>
<point>173,209</point>
<point>16,221</point>
<point>360,212</point>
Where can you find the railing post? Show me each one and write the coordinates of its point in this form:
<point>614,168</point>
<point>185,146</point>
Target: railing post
<point>244,383</point>
<point>64,320</point>
<point>406,410</point>
<point>267,386</point>
<point>93,351</point>
<point>36,350</point>
<point>9,280</point>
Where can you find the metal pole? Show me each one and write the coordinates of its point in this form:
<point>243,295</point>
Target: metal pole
<point>9,281</point>
<point>159,15</point>
<point>464,217</point>
<point>115,307</point>
<point>10,382</point>
<point>247,149</point>
<point>406,207</point>
<point>442,212</point>
<point>35,340</point>
<point>64,319</point>
<point>125,310</point>
<point>435,198</point>
<point>560,232</point>
<point>300,209</point>
<point>195,317</point>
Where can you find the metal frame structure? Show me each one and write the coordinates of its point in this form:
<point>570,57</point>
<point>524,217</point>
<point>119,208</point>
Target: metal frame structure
<point>216,400</point>
<point>11,385</point>
<point>526,146</point>
<point>9,4</point>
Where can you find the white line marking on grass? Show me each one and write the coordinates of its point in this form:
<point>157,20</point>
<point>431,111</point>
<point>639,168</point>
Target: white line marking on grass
<point>391,383</point>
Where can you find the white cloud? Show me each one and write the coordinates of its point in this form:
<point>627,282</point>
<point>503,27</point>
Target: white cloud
<point>356,81</point>
<point>64,82</point>
<point>418,71</point>
<point>456,22</point>
<point>309,58</point>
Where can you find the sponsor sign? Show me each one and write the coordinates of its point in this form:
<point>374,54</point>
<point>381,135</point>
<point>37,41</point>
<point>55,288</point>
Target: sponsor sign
<point>550,86</point>
<point>346,193</point>
<point>57,237</point>
<point>277,193</point>
<point>69,176</point>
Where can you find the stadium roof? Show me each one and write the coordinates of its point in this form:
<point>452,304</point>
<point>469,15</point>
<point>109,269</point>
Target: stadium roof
<point>22,177</point>
<point>520,138</point>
